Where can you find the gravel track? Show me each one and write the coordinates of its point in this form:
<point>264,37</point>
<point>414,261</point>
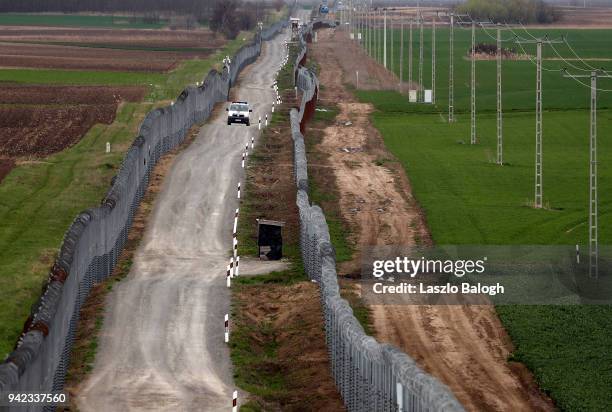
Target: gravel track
<point>161,346</point>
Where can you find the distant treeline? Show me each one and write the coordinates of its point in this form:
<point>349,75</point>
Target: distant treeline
<point>510,11</point>
<point>197,7</point>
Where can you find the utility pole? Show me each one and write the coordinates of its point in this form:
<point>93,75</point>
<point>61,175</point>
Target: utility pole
<point>538,155</point>
<point>385,40</point>
<point>500,147</point>
<point>401,64</point>
<point>451,72</point>
<point>593,192</point>
<point>420,96</point>
<point>473,87</point>
<point>392,38</point>
<point>433,61</point>
<point>410,53</point>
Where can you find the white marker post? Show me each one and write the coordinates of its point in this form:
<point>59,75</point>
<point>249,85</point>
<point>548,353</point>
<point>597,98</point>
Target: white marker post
<point>228,278</point>
<point>108,147</point>
<point>259,125</point>
<point>238,190</point>
<point>235,401</point>
<point>231,266</point>
<point>400,397</point>
<point>237,266</point>
<point>243,160</point>
<point>235,248</point>
<point>235,222</point>
<point>226,328</point>
<point>273,103</point>
<point>252,142</point>
<point>266,120</point>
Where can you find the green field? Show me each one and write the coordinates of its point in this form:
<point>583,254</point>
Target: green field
<point>39,199</point>
<point>519,77</point>
<point>77,20</point>
<point>468,199</point>
<point>162,86</point>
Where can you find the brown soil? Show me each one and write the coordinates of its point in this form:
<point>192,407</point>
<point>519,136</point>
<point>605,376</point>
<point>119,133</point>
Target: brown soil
<point>90,58</point>
<point>42,120</point>
<point>465,347</point>
<point>6,165</point>
<point>580,18</point>
<point>91,316</point>
<point>72,95</point>
<point>63,48</point>
<point>123,37</point>
<point>372,76</point>
<point>289,318</point>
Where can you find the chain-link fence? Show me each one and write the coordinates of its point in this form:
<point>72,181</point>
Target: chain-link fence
<point>94,241</point>
<point>370,376</point>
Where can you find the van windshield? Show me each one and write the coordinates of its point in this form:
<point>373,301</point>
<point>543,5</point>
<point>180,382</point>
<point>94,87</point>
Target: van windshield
<point>239,108</point>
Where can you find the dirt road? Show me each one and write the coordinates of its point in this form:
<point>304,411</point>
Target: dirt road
<point>161,346</point>
<point>466,347</point>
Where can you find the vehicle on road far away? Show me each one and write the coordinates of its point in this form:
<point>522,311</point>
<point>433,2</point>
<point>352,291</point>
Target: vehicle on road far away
<point>239,112</point>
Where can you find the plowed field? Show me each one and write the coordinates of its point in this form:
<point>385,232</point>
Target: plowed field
<point>37,121</point>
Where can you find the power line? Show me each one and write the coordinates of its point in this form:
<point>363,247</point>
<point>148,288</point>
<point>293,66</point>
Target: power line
<point>420,91</point>
<point>433,61</point>
<point>539,153</point>
<point>593,191</point>
<point>500,146</point>
<point>451,71</point>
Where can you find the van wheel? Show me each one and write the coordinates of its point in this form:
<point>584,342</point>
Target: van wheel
<point>248,123</point>
<point>229,123</point>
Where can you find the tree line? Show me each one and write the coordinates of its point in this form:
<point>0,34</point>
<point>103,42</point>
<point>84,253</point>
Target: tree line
<point>225,16</point>
<point>510,11</point>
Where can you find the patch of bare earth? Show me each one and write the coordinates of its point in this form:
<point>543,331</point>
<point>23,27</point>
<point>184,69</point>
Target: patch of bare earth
<point>123,37</point>
<point>289,318</point>
<point>37,121</point>
<point>465,347</point>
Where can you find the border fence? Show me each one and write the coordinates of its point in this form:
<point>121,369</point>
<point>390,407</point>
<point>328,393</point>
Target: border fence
<point>93,243</point>
<point>369,376</point>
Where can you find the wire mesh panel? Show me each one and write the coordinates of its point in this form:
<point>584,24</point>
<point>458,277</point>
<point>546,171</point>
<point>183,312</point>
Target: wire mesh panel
<point>94,241</point>
<point>368,375</point>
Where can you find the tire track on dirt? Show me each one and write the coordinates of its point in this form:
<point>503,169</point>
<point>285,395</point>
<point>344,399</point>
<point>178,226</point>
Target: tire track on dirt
<point>465,347</point>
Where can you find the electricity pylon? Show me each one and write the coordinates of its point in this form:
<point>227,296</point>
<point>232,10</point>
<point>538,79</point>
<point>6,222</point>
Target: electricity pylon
<point>401,63</point>
<point>451,71</point>
<point>473,135</point>
<point>538,155</point>
<point>433,61</point>
<point>420,96</point>
<point>593,192</point>
<point>500,130</point>
<point>385,40</point>
<point>410,53</point>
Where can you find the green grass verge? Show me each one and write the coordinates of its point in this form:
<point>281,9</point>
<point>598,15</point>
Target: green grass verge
<point>77,20</point>
<point>38,201</point>
<point>468,199</point>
